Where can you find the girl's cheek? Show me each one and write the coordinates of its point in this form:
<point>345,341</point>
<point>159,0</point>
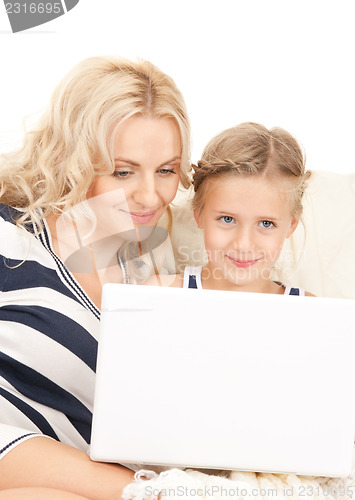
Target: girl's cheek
<point>219,240</point>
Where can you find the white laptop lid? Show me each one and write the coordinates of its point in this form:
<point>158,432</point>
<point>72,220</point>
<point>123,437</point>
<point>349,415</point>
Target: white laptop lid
<point>225,380</point>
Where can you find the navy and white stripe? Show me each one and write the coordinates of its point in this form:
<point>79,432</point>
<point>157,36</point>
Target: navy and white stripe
<point>48,342</point>
<point>192,279</point>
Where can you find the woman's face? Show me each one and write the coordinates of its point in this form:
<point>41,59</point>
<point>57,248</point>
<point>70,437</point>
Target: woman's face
<point>147,154</point>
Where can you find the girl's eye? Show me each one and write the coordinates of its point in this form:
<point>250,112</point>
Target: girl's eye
<point>266,224</point>
<point>227,219</point>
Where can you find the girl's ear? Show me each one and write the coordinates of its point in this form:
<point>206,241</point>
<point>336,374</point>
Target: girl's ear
<point>293,226</point>
<point>198,218</point>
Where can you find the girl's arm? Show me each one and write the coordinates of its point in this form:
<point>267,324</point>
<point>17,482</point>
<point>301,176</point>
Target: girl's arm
<point>45,463</point>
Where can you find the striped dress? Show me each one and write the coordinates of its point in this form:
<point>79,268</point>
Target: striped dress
<point>48,342</point>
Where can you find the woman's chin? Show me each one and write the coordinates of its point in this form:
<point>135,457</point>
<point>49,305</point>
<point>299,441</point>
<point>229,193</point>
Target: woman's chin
<point>138,233</point>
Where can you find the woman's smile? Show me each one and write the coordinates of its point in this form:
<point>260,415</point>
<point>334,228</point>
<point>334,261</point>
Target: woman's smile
<point>140,218</point>
<point>147,151</point>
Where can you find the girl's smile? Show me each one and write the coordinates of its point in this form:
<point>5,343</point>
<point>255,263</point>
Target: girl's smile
<point>245,222</point>
<point>242,263</point>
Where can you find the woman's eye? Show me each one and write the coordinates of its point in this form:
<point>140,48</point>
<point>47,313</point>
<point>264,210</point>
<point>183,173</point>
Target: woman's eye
<point>266,224</point>
<point>167,171</point>
<point>227,219</point>
<point>121,173</point>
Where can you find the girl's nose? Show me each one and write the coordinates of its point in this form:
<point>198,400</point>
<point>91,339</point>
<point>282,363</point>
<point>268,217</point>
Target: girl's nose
<point>243,240</point>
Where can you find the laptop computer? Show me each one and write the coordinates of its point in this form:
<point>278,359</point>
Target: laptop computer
<point>225,380</point>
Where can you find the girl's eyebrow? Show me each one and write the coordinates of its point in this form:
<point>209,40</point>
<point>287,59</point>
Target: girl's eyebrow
<point>263,217</point>
<point>224,212</point>
<point>135,164</point>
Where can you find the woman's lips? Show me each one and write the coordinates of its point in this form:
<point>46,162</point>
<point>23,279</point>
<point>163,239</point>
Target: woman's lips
<point>140,217</point>
<point>242,263</point>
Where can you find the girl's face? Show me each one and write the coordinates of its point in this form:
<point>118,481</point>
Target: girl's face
<point>147,153</point>
<point>245,222</point>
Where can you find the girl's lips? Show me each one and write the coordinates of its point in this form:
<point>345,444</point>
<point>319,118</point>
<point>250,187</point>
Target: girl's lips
<point>141,218</point>
<point>243,263</point>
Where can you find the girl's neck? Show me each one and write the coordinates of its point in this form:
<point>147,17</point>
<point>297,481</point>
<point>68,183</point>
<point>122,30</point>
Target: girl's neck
<point>216,281</point>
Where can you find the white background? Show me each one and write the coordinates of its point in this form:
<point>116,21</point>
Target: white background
<point>277,62</point>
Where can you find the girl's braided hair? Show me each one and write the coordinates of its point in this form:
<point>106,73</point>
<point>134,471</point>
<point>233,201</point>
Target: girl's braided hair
<point>251,149</point>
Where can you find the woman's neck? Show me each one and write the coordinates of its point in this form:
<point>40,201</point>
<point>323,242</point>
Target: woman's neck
<point>92,265</point>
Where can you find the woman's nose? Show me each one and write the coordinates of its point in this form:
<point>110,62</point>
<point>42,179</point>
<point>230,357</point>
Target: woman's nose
<point>146,193</point>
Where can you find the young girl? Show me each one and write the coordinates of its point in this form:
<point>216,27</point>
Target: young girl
<point>248,199</point>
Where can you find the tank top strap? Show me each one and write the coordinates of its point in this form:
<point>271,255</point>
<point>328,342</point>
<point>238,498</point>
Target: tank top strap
<point>192,277</point>
<point>289,290</point>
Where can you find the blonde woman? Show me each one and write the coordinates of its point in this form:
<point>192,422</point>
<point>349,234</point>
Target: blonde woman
<point>98,172</point>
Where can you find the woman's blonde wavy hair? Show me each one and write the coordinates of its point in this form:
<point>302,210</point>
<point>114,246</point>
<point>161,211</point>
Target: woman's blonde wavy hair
<point>73,141</point>
<point>252,149</point>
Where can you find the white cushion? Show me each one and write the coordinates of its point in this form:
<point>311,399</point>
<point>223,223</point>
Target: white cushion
<point>319,256</point>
